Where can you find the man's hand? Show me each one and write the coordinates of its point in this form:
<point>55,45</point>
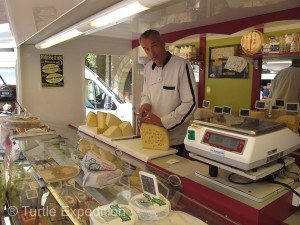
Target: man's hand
<point>144,109</point>
<point>153,119</point>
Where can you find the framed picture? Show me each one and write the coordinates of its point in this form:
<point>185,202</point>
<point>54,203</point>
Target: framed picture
<point>220,57</point>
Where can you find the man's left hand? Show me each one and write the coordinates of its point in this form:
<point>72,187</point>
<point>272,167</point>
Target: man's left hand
<point>153,119</point>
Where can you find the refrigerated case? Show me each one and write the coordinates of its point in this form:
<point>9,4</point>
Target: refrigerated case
<point>34,196</point>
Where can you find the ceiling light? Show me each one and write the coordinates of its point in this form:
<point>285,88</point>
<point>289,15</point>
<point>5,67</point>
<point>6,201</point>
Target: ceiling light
<point>108,17</point>
<point>58,38</point>
<point>117,12</point>
<point>279,62</point>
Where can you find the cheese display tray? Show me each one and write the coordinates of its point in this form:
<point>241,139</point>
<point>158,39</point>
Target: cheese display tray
<point>32,134</point>
<point>59,173</point>
<point>134,148</point>
<point>87,130</point>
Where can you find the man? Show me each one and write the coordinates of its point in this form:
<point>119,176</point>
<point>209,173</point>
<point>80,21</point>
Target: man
<point>286,84</point>
<point>169,97</point>
<point>266,91</point>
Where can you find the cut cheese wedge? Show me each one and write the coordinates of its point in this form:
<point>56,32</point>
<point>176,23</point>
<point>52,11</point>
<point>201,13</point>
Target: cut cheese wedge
<point>113,132</point>
<point>154,137</point>
<point>91,120</point>
<point>101,117</point>
<point>112,120</point>
<point>126,128</point>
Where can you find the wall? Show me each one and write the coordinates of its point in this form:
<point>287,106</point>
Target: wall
<point>61,105</point>
<point>227,91</point>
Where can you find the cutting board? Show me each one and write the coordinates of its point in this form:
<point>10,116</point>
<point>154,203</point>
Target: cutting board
<point>87,130</point>
<point>134,148</point>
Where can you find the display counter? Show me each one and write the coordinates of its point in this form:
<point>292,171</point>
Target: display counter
<point>48,185</point>
<point>71,200</point>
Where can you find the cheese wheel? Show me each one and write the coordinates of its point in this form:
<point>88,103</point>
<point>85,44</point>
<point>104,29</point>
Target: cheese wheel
<point>112,120</point>
<point>70,200</point>
<point>154,137</point>
<point>101,117</point>
<point>113,131</point>
<point>149,208</point>
<point>126,128</point>
<point>113,215</point>
<point>252,41</point>
<point>91,119</point>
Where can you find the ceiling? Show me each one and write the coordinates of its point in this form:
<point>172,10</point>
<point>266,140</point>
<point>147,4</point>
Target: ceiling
<point>38,20</point>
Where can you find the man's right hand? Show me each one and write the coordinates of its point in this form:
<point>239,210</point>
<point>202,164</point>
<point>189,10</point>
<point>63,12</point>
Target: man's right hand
<point>144,109</point>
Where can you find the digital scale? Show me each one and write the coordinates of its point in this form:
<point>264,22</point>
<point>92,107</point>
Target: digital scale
<point>252,148</point>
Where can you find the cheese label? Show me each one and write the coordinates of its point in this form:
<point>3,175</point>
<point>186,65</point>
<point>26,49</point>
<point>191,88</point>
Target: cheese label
<point>154,200</point>
<point>120,213</point>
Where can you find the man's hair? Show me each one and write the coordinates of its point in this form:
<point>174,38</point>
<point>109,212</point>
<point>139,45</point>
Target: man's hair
<point>149,32</point>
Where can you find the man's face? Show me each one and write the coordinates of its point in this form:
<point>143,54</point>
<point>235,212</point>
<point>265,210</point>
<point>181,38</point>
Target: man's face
<point>154,48</point>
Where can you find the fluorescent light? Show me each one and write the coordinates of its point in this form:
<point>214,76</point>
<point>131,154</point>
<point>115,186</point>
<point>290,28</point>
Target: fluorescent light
<point>276,62</point>
<point>117,12</point>
<point>105,18</point>
<point>58,38</point>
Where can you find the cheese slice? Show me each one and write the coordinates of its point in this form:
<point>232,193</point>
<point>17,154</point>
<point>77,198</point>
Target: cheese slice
<point>126,128</point>
<point>91,119</point>
<point>154,137</point>
<point>84,146</point>
<point>112,120</point>
<point>113,132</point>
<point>101,117</point>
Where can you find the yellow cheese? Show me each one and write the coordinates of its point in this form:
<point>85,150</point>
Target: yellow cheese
<point>291,121</point>
<point>91,119</point>
<point>84,146</point>
<point>126,128</point>
<point>101,116</point>
<point>154,137</point>
<point>113,132</point>
<point>257,114</point>
<point>277,113</point>
<point>112,120</point>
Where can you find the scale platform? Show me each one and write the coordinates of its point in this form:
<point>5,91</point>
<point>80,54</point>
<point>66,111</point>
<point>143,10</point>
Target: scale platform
<point>258,190</point>
<point>256,174</point>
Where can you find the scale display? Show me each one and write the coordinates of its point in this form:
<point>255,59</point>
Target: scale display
<point>224,142</point>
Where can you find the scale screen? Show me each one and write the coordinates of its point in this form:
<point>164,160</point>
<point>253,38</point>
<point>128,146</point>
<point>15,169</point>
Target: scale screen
<point>224,142</point>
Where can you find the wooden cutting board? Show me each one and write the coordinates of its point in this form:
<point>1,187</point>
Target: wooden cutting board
<point>134,148</point>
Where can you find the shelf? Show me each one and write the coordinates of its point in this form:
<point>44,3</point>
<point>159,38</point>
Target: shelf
<point>287,55</point>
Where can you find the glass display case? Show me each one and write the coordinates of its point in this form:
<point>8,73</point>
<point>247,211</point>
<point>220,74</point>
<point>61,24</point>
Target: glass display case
<point>54,181</point>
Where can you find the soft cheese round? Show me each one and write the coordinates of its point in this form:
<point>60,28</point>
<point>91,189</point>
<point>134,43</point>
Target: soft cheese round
<point>149,208</point>
<point>113,215</point>
<point>20,121</point>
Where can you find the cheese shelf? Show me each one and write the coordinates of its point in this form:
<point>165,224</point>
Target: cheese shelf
<point>72,197</point>
<point>285,55</point>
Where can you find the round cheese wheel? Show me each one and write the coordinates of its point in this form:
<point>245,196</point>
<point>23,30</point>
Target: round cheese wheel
<point>149,208</point>
<point>113,215</point>
<point>253,41</point>
<point>70,200</point>
<point>20,121</point>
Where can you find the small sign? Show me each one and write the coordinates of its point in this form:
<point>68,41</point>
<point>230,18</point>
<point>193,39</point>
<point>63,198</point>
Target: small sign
<point>52,70</point>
